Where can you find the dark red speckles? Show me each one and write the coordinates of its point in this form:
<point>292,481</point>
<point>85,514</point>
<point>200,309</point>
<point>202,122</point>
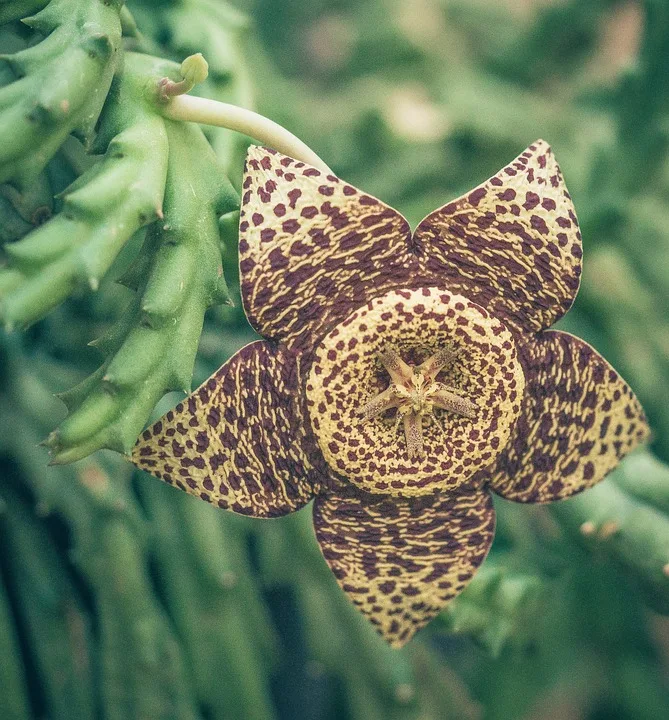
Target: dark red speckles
<point>280,210</point>
<point>277,259</point>
<point>531,201</point>
<point>326,190</point>
<point>291,226</point>
<point>476,196</point>
<point>294,195</point>
<point>539,224</point>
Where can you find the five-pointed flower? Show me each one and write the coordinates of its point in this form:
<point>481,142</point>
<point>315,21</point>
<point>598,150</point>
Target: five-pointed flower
<point>403,378</point>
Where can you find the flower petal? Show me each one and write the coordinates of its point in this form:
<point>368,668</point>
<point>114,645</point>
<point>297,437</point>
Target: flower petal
<point>241,440</point>
<point>512,245</point>
<point>313,249</point>
<point>579,419</point>
<point>401,560</point>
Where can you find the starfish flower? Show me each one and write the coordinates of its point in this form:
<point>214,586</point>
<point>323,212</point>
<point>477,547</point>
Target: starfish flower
<point>403,378</point>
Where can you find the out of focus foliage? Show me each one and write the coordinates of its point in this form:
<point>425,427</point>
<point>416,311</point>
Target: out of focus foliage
<point>121,598</point>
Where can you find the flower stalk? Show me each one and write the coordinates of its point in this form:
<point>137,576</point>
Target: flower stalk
<point>188,108</point>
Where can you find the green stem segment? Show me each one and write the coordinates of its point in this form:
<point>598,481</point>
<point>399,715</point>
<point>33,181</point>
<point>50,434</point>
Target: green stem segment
<point>60,83</point>
<point>177,276</point>
<point>626,523</point>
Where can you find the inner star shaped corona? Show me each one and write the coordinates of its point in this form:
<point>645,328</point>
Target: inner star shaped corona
<point>415,393</point>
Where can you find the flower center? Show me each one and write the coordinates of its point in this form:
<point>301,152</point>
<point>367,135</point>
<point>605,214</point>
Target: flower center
<point>415,393</point>
<point>425,362</point>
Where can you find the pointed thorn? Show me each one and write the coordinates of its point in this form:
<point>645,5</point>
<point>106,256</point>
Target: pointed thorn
<point>413,430</point>
<point>51,440</point>
<point>437,362</point>
<point>447,399</point>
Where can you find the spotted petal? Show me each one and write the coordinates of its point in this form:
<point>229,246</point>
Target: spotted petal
<point>313,249</point>
<point>579,418</point>
<point>241,441</point>
<point>401,560</point>
<point>511,245</point>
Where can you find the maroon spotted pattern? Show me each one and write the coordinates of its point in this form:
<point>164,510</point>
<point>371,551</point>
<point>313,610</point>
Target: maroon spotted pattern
<point>241,441</point>
<point>579,419</point>
<point>313,248</point>
<point>512,245</point>
<point>373,454</point>
<point>400,560</point>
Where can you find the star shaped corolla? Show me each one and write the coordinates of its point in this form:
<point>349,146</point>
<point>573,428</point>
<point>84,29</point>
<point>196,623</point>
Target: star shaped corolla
<point>369,327</point>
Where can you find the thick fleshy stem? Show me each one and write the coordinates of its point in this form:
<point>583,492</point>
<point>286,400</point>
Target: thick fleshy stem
<point>188,108</point>
<point>60,83</point>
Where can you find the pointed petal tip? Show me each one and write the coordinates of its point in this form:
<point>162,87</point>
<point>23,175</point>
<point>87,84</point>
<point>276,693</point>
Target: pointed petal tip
<point>347,531</point>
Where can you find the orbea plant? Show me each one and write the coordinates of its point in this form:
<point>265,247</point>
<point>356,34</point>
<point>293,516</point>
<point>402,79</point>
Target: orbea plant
<point>403,378</point>
<point>369,327</point>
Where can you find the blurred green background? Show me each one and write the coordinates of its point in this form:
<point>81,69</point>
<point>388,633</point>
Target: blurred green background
<point>122,598</point>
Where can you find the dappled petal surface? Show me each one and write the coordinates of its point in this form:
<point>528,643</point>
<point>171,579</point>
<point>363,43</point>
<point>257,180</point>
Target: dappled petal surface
<point>313,249</point>
<point>512,244</point>
<point>347,373</point>
<point>242,440</point>
<point>401,560</point>
<point>579,418</point>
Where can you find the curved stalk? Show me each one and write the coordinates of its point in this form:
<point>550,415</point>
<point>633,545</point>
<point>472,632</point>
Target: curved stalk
<point>189,108</point>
